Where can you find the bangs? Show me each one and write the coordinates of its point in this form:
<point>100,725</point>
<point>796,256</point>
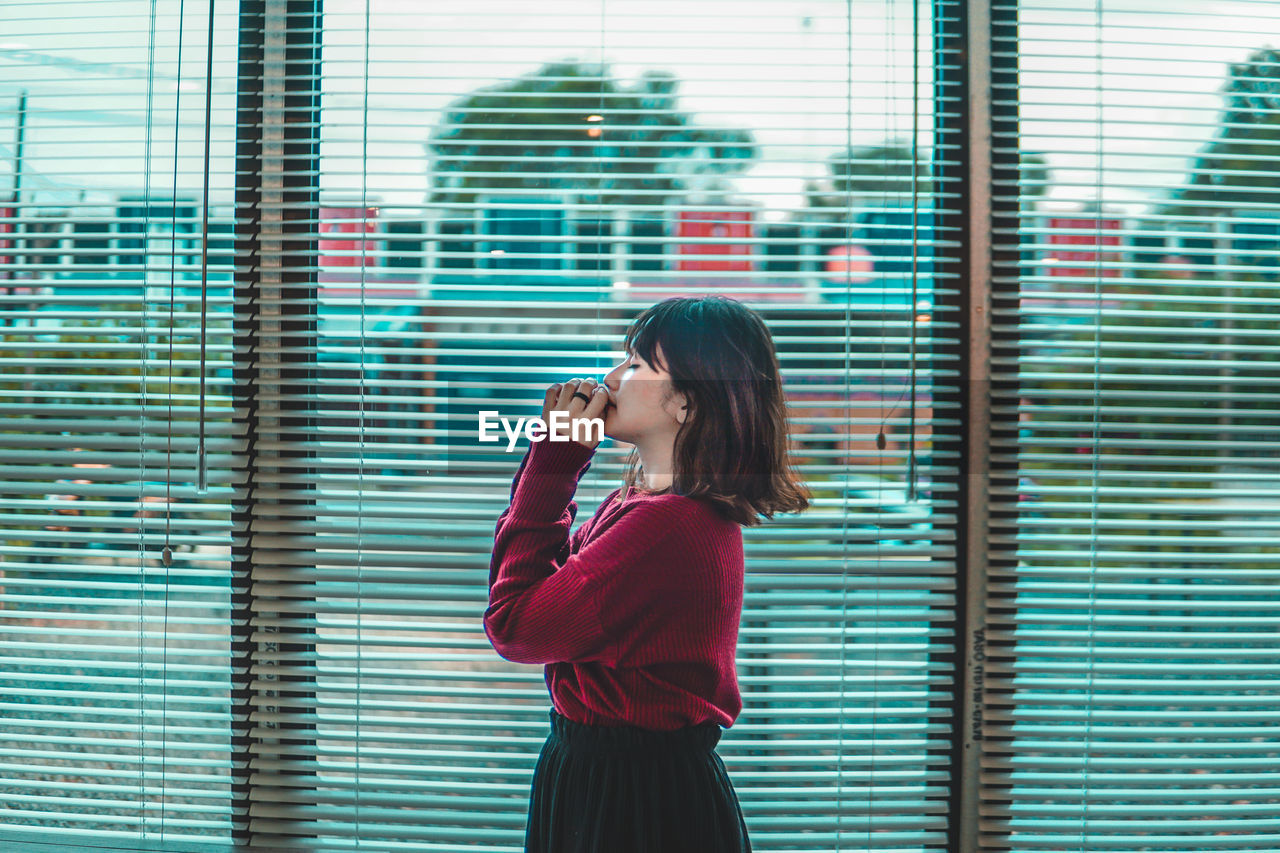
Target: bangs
<point>643,341</point>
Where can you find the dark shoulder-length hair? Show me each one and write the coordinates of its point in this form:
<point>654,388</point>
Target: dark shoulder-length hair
<point>733,449</point>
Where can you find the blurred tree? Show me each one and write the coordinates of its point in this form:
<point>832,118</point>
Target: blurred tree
<point>570,127</point>
<point>1034,180</point>
<point>865,176</point>
<point>1185,293</point>
<point>1241,166</point>
<point>92,370</point>
<point>873,171</point>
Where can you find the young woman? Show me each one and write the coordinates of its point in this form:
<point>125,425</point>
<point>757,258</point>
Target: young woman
<point>635,616</point>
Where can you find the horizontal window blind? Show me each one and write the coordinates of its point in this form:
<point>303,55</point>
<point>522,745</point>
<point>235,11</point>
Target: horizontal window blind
<point>500,190</point>
<point>263,263</point>
<point>1130,655</point>
<point>116,437</point>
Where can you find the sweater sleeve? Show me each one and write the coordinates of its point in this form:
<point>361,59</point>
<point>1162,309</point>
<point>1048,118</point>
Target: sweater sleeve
<point>540,612</point>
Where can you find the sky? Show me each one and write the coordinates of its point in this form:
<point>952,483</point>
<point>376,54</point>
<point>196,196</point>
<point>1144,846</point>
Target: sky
<point>1139,96</point>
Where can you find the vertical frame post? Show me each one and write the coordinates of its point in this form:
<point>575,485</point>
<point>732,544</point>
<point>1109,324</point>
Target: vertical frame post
<point>275,293</point>
<point>987,179</point>
<point>964,35</point>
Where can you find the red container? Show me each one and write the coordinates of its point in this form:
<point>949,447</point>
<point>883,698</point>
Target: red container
<point>347,220</point>
<point>702,233</point>
<point>1080,252</point>
<point>7,215</point>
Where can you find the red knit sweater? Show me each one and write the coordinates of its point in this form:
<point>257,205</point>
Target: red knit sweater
<point>635,615</point>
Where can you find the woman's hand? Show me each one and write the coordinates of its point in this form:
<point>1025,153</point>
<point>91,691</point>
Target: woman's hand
<point>559,397</point>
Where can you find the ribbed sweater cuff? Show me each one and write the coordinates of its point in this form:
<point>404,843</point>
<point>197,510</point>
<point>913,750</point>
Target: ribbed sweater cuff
<point>552,470</point>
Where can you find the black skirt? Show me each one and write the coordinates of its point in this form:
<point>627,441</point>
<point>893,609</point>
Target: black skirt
<point>623,789</point>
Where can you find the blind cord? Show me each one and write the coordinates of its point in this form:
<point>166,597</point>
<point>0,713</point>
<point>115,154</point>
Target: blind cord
<point>167,553</point>
<point>600,217</point>
<point>890,75</point>
<point>914,148</point>
<point>841,640</point>
<point>1097,372</point>
<point>202,475</point>
<point>364,245</point>
<point>913,308</point>
<point>142,395</point>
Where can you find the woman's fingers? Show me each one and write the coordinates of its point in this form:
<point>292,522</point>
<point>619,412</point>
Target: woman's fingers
<point>560,397</point>
<point>567,400</point>
<point>599,400</point>
<point>566,393</point>
<point>549,401</point>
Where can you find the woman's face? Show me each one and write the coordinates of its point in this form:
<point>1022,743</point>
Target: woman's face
<point>636,412</point>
